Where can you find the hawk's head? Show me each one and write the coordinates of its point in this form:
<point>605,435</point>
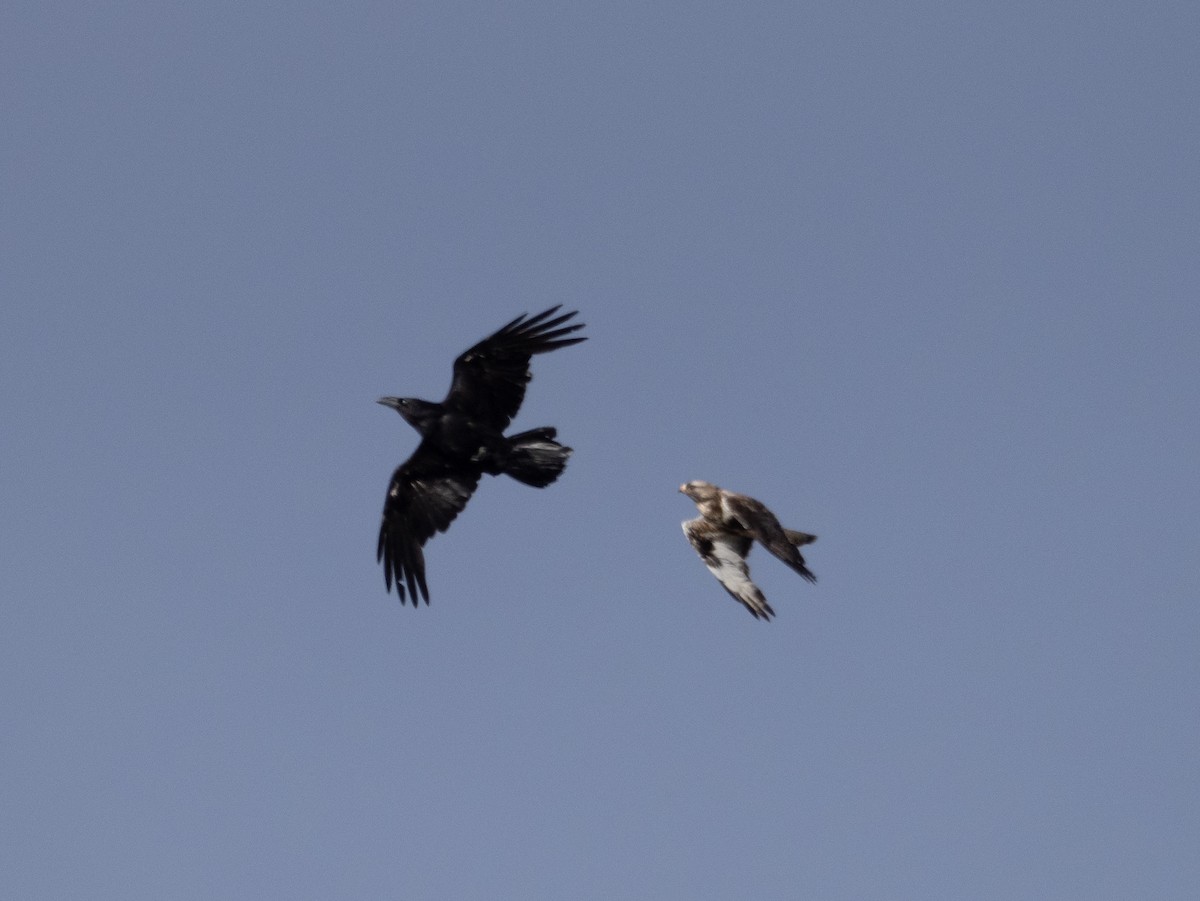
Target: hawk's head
<point>699,491</point>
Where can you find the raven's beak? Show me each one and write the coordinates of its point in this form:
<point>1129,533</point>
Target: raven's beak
<point>392,402</point>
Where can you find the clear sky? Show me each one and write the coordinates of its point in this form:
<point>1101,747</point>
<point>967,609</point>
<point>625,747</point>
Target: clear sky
<point>923,277</point>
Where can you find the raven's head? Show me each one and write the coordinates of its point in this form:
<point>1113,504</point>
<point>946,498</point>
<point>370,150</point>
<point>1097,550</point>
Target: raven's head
<point>420,414</point>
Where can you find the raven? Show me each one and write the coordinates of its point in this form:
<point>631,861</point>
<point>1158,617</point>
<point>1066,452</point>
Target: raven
<point>462,438</point>
<point>728,525</point>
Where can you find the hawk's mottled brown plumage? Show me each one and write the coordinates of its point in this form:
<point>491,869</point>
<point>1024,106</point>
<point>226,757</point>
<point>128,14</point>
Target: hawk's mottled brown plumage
<point>728,525</point>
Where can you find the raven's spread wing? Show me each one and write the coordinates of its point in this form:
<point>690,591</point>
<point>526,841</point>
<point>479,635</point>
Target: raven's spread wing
<point>424,496</point>
<point>724,553</point>
<point>761,523</point>
<point>490,378</point>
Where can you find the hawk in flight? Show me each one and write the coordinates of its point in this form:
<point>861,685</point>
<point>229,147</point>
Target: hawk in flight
<point>462,438</point>
<point>729,523</point>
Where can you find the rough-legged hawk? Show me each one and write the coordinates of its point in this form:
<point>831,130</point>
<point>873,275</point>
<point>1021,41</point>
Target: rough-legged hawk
<point>728,525</point>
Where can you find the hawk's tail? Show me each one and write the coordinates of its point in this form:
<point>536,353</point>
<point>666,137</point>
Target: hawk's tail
<point>799,538</point>
<point>795,560</point>
<point>535,458</point>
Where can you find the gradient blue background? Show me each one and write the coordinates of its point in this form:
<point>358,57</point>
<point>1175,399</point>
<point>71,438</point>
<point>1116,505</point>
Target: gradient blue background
<point>921,276</point>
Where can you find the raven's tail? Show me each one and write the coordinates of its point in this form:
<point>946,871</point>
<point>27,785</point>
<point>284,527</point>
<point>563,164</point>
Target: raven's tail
<point>535,458</point>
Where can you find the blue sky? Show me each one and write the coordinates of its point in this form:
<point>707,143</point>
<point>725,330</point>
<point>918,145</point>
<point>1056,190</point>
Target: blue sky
<point>922,277</point>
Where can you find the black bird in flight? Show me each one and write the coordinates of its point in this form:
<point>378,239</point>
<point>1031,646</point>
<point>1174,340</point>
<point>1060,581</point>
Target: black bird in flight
<point>728,525</point>
<point>462,438</point>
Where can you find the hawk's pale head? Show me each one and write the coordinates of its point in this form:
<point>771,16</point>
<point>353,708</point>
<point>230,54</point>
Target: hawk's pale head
<point>698,490</point>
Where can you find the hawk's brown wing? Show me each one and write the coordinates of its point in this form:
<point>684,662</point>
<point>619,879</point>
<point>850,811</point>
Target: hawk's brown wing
<point>761,523</point>
<point>724,553</point>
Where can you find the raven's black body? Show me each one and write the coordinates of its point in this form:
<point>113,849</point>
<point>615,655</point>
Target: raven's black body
<point>462,438</point>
